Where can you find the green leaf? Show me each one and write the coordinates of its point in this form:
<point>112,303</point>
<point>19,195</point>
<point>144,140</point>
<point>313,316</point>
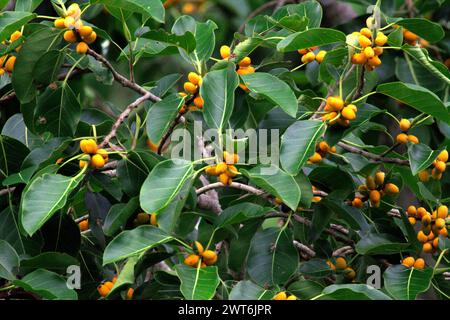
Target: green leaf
<point>168,218</point>
<point>12,154</point>
<point>46,284</point>
<point>11,232</point>
<point>298,143</point>
<point>417,97</point>
<point>198,283</point>
<point>126,276</point>
<point>305,289</point>
<point>273,89</point>
<point>48,66</point>
<point>57,111</point>
<point>27,5</point>
<point>204,37</point>
<point>43,197</point>
<point>206,40</point>
<point>353,292</point>
<point>15,128</point>
<point>310,38</point>
<point>424,28</point>
<point>349,214</point>
<point>247,290</point>
<point>11,21</point>
<point>315,267</point>
<point>420,157</point>
<point>395,38</point>
<point>380,243</point>
<point>185,41</point>
<point>277,182</point>
<point>153,8</point>
<point>272,258</point>
<point>50,260</point>
<point>118,215</point>
<point>310,9</point>
<point>37,44</point>
<point>160,116</point>
<point>217,92</point>
<point>239,213</point>
<point>406,283</point>
<point>435,67</point>
<point>134,242</point>
<point>163,184</point>
<point>9,261</point>
<point>244,48</point>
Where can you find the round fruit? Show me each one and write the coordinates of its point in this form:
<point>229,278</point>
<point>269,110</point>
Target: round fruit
<point>402,138</point>
<point>443,156</point>
<point>194,78</point>
<point>424,176</point>
<point>153,219</point>
<point>84,225</point>
<point>419,264</point>
<point>413,139</point>
<point>91,38</point>
<point>391,189</point>
<point>379,178</point>
<point>364,41</point>
<point>82,48</point>
<point>192,260</point>
<point>442,212</point>
<point>309,57</point>
<point>408,262</point>
<point>320,56</point>
<point>375,196</point>
<point>190,87</point>
<point>427,247</point>
<point>315,158</point>
<point>404,124</point>
<point>224,52</point>
<point>280,296</point>
<point>103,290</point>
<point>143,218</point>
<point>350,273</point>
<point>85,31</point>
<point>245,62</point>
<point>335,102</point>
<point>341,263</point>
<point>348,113</point>
<point>9,65</point>
<point>59,23</point>
<point>97,161</point>
<point>225,179</point>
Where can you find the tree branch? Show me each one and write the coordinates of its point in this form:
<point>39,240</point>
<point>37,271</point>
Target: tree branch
<point>372,156</point>
<point>123,116</point>
<point>305,251</point>
<point>121,79</point>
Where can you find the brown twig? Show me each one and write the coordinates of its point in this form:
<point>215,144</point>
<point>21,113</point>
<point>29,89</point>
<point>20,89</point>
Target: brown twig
<point>331,231</point>
<point>235,185</point>
<point>167,135</point>
<point>7,191</point>
<point>343,251</point>
<point>360,88</point>
<point>123,116</point>
<point>258,11</point>
<point>305,251</point>
<point>121,79</point>
<point>372,156</point>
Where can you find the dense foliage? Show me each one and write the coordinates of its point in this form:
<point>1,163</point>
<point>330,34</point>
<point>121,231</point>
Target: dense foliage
<point>224,149</point>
